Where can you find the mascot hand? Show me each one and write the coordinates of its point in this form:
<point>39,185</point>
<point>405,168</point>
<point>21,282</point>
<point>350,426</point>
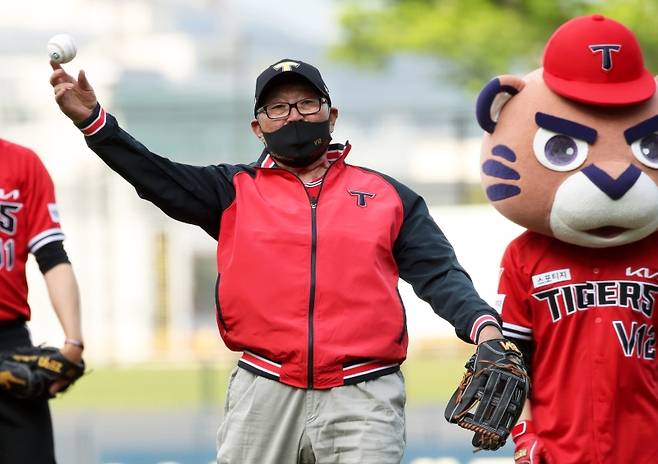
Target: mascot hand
<point>529,448</point>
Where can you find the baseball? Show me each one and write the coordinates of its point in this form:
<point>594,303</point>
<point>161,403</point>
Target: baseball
<point>61,48</point>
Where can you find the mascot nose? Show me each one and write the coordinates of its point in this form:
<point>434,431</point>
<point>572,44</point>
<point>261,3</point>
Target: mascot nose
<point>614,188</point>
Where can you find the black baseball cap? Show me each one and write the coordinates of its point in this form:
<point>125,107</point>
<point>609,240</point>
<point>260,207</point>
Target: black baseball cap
<point>290,67</point>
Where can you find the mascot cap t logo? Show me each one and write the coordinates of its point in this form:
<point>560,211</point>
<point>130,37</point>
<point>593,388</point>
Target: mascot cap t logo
<point>595,60</point>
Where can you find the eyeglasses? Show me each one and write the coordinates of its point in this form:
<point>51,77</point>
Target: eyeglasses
<point>304,107</point>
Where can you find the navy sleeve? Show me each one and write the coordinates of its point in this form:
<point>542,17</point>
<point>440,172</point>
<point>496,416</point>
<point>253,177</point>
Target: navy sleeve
<point>193,194</point>
<point>427,261</point>
<point>50,255</point>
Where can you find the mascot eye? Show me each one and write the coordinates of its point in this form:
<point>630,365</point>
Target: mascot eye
<point>559,152</point>
<point>646,150</point>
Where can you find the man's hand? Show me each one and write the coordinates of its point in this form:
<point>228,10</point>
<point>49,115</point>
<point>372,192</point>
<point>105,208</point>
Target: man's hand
<point>29,372</point>
<point>489,332</point>
<point>529,448</point>
<point>490,397</point>
<point>74,354</point>
<point>76,98</point>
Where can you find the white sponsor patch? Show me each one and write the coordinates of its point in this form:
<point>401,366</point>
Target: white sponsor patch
<point>551,277</point>
<point>54,212</point>
<point>500,299</point>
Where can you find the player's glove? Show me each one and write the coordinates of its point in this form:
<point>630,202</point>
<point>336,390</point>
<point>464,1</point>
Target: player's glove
<point>529,448</point>
<point>28,372</point>
<point>491,395</point>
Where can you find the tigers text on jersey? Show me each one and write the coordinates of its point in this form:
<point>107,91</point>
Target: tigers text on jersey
<point>591,316</point>
<point>28,221</point>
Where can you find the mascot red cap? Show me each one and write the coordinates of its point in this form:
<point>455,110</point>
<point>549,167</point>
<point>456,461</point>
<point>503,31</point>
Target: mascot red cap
<point>596,60</point>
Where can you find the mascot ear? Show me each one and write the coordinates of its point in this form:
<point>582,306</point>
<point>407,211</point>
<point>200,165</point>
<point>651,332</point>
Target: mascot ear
<point>493,97</point>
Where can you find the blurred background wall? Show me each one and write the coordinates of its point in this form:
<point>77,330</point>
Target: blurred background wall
<point>179,75</point>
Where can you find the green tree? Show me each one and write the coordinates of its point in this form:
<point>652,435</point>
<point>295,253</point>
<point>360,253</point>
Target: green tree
<point>477,39</point>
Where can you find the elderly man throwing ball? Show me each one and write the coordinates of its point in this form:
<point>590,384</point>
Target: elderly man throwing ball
<point>310,250</point>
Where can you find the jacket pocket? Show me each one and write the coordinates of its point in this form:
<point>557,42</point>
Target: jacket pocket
<point>404,317</point>
<point>218,307</point>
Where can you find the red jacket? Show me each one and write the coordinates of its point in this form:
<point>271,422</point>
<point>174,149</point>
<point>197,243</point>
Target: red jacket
<point>307,290</point>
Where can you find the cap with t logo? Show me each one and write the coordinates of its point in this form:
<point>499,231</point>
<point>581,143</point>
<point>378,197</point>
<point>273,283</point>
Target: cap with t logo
<point>596,60</point>
<point>289,68</point>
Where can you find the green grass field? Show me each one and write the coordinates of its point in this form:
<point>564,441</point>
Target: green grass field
<point>429,379</point>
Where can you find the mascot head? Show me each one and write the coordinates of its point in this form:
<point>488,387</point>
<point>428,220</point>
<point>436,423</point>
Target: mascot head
<point>571,149</point>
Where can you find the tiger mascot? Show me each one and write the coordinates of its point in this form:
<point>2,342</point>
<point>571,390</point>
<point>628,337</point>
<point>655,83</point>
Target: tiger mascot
<point>570,152</point>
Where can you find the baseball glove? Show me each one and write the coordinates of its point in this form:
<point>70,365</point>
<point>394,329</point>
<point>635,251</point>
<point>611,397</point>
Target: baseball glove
<point>28,372</point>
<point>491,395</point>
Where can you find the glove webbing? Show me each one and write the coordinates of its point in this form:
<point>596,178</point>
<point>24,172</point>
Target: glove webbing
<point>488,437</point>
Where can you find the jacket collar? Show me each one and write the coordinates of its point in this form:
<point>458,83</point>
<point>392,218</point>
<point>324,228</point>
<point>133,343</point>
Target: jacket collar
<point>335,152</point>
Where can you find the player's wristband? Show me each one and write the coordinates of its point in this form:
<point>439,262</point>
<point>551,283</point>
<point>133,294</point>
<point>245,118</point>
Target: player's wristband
<point>74,342</point>
<point>521,428</point>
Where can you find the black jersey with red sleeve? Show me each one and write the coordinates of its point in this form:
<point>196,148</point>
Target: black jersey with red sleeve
<point>29,220</point>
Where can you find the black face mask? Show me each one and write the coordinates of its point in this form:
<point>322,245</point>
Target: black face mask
<point>299,144</point>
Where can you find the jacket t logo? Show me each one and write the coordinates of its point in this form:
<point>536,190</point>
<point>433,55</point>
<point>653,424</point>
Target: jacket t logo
<point>606,54</point>
<point>286,65</point>
<point>361,197</point>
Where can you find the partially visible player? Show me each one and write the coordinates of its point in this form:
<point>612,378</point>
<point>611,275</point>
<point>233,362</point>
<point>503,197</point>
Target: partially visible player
<point>29,224</point>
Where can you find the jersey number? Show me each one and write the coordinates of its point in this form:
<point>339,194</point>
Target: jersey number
<point>7,253</point>
<point>639,340</point>
<point>8,219</point>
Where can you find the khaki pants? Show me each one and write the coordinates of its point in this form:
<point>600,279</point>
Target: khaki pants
<point>267,422</point>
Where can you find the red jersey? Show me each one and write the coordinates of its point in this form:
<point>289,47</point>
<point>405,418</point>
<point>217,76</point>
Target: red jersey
<point>590,314</point>
<point>28,221</point>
